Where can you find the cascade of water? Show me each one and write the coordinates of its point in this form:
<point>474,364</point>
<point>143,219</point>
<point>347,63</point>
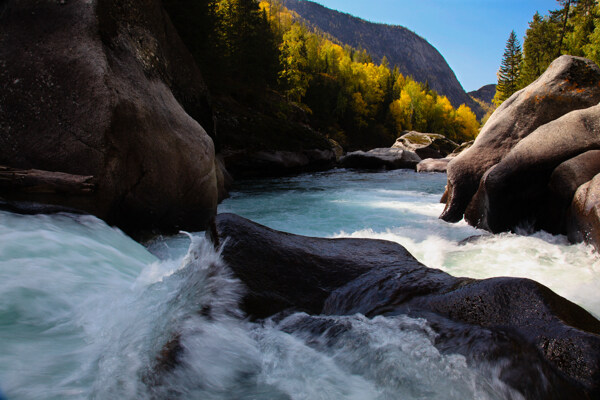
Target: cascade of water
<point>88,313</point>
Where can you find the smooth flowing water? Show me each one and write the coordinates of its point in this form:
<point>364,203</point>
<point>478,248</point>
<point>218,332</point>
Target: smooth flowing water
<point>86,312</point>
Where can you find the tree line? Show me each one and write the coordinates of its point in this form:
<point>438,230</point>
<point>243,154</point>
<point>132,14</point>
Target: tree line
<point>251,46</point>
<point>573,28</point>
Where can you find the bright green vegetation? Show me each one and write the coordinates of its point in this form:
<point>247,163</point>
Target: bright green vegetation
<point>249,50</point>
<point>573,28</point>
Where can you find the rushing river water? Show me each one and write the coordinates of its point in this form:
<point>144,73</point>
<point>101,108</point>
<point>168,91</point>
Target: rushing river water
<point>86,312</point>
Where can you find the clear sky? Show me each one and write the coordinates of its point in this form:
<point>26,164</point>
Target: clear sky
<point>470,34</point>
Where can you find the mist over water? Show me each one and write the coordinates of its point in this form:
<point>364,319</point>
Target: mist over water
<point>86,312</point>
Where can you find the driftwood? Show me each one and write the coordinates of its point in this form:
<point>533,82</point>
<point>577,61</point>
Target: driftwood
<point>36,181</point>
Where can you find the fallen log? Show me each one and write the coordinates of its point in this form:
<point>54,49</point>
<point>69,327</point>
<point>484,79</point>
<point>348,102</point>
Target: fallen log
<point>36,181</point>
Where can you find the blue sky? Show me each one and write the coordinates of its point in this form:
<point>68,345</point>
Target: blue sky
<point>470,34</point>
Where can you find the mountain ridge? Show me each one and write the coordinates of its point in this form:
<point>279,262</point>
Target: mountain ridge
<point>402,47</point>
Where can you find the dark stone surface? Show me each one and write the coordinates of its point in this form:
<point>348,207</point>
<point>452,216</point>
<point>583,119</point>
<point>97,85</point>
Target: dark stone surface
<point>381,158</point>
<point>569,83</point>
<point>584,214</point>
<point>106,88</point>
<point>552,345</point>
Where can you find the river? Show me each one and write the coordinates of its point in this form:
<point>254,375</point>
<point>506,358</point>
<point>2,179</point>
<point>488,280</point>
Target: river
<point>86,311</point>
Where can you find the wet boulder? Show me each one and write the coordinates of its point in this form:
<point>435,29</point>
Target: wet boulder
<point>584,216</point>
<point>569,83</point>
<point>516,189</point>
<point>283,272</point>
<point>564,182</point>
<point>107,89</point>
<point>426,145</point>
<point>381,158</point>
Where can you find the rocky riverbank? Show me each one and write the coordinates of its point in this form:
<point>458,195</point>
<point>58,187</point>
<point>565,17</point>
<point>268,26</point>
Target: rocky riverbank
<point>536,151</point>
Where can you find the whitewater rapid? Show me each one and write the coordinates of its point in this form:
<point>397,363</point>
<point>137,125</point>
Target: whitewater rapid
<point>86,312</point>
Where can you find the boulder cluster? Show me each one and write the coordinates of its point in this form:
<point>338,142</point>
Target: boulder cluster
<point>546,346</point>
<point>536,162</point>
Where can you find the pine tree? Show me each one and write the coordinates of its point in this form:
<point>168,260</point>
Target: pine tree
<point>538,48</point>
<point>510,70</point>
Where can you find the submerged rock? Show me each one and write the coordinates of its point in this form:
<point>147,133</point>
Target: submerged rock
<point>107,89</point>
<point>426,145</point>
<point>551,346</point>
<point>381,158</point>
<point>569,83</point>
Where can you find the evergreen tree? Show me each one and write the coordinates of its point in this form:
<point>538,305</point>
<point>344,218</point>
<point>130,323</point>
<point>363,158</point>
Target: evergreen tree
<point>538,48</point>
<point>510,70</point>
<point>562,16</point>
<point>592,49</point>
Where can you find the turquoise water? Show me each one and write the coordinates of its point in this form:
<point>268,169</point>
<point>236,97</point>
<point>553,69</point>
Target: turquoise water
<point>86,312</point>
<point>403,206</point>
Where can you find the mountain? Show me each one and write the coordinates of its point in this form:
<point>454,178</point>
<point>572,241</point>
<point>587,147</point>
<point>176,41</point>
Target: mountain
<point>485,93</point>
<point>411,53</point>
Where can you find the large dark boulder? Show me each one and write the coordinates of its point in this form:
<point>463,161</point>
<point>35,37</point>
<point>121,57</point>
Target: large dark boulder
<point>381,158</point>
<point>106,88</point>
<point>550,345</point>
<point>516,189</point>
<point>426,145</point>
<point>569,83</point>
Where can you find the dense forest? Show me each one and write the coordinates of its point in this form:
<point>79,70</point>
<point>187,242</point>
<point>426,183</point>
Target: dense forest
<point>573,28</point>
<point>244,46</point>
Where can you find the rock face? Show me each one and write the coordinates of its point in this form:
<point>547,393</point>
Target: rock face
<point>569,83</point>
<point>513,190</point>
<point>105,88</point>
<point>426,145</point>
<point>382,158</point>
<point>551,346</point>
<point>584,222</point>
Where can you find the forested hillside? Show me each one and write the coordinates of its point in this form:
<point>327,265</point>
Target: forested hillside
<point>413,55</point>
<point>279,84</point>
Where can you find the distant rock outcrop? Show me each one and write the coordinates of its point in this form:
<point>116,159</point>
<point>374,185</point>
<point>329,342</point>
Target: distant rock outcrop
<point>106,88</point>
<point>485,93</point>
<point>426,145</point>
<point>412,54</point>
<point>533,153</point>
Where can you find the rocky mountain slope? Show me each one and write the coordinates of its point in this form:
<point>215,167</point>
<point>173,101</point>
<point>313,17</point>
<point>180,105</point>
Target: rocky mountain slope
<point>485,93</point>
<point>411,53</point>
